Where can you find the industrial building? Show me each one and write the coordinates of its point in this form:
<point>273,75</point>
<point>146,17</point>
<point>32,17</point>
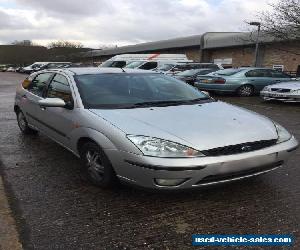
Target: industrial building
<point>231,49</point>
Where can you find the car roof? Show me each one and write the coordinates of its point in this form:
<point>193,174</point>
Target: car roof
<point>251,68</point>
<point>101,70</point>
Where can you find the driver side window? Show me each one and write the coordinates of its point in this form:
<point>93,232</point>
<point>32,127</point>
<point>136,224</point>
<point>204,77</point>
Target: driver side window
<point>60,88</point>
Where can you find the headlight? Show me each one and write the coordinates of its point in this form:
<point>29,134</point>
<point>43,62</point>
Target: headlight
<point>283,134</point>
<point>297,91</point>
<point>266,88</point>
<point>161,148</point>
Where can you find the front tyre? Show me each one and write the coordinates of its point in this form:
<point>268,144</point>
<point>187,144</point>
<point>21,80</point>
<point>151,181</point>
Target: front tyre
<point>96,166</point>
<point>23,124</point>
<point>245,90</point>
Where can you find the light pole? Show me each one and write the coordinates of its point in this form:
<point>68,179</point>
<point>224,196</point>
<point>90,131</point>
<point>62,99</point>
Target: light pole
<point>258,24</point>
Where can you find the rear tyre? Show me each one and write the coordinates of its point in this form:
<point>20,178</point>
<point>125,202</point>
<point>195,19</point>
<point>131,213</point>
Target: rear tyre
<point>245,90</point>
<point>23,124</point>
<point>97,168</point>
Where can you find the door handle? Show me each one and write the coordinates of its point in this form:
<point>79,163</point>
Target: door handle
<point>24,96</point>
<point>43,108</point>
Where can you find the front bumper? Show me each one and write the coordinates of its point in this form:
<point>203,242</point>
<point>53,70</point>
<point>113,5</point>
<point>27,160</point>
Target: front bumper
<point>284,97</point>
<point>198,172</point>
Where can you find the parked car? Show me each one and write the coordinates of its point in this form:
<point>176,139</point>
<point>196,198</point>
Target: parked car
<point>286,92</point>
<point>189,76</point>
<point>3,67</point>
<point>243,81</point>
<point>37,66</point>
<point>180,67</point>
<point>11,69</point>
<point>149,129</point>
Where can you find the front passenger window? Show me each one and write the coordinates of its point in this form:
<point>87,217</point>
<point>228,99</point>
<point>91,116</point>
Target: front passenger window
<point>38,84</point>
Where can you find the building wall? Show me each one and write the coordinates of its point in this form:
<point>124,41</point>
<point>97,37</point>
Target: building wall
<point>241,56</point>
<point>287,54</point>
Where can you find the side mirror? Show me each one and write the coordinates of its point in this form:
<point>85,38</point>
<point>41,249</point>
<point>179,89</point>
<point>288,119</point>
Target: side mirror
<point>52,102</point>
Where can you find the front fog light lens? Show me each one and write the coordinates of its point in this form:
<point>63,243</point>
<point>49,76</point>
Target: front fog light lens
<point>170,182</point>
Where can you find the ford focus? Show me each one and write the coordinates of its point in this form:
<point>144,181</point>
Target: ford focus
<point>148,129</point>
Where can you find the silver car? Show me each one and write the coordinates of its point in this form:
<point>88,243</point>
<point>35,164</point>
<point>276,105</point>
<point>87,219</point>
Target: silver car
<point>286,92</point>
<point>149,129</point>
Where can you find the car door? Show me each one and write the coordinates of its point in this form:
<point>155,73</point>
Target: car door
<point>58,121</point>
<point>259,78</point>
<point>30,97</point>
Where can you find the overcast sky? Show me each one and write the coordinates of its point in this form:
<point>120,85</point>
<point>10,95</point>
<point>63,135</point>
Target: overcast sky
<point>121,22</point>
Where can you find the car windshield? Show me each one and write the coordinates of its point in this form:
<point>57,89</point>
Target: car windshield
<point>124,90</point>
<point>227,72</point>
<point>165,67</point>
<point>134,65</point>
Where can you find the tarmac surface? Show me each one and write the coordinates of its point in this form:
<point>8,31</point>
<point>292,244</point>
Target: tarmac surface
<point>55,209</point>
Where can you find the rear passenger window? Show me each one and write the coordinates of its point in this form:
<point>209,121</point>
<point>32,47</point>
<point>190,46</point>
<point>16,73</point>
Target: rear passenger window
<point>259,73</point>
<point>38,83</point>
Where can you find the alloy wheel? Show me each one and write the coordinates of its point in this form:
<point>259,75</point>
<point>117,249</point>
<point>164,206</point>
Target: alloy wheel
<point>246,91</point>
<point>94,165</point>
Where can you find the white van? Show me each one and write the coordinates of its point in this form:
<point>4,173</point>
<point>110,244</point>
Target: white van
<point>144,61</point>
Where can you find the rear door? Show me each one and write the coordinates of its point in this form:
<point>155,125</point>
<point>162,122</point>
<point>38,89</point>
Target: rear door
<point>259,78</point>
<point>30,97</point>
<point>279,76</point>
<point>58,122</point>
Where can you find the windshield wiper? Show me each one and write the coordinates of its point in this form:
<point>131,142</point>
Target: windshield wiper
<point>167,103</point>
<point>158,103</point>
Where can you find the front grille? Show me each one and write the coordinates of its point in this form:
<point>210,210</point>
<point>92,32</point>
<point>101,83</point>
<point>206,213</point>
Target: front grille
<point>239,174</point>
<point>239,148</point>
<point>281,90</point>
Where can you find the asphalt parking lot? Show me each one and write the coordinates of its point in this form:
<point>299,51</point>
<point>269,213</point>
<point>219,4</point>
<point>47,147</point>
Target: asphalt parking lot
<point>55,209</point>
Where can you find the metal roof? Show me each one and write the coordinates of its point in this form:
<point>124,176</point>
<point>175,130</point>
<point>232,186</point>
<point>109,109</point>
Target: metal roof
<point>209,40</point>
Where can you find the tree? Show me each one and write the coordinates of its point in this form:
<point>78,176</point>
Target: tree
<point>283,21</point>
<point>65,44</point>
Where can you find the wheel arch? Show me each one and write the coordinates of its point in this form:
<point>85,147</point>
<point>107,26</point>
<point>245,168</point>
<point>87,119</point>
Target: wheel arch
<point>83,140</point>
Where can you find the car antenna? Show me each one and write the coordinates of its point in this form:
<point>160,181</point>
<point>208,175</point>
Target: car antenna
<point>123,70</point>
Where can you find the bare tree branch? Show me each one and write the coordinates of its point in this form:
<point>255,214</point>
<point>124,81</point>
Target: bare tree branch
<point>283,21</point>
<point>65,44</point>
